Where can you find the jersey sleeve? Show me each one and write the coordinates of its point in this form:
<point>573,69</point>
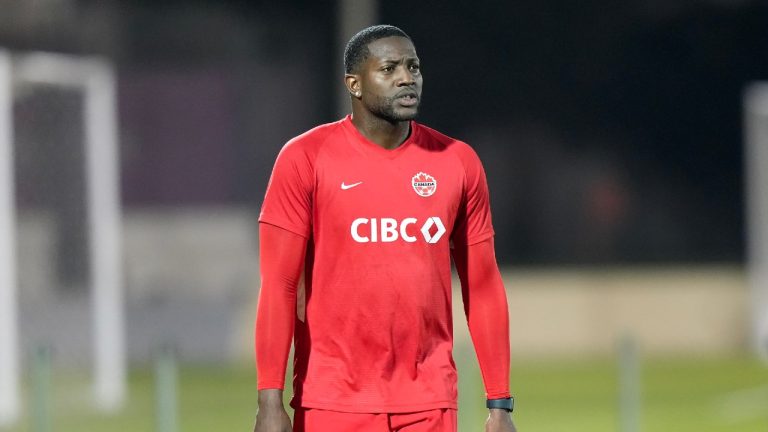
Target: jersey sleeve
<point>281,255</point>
<point>486,309</point>
<point>473,223</point>
<point>288,200</point>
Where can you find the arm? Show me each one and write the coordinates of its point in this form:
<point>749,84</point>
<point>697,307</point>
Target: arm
<point>485,305</point>
<point>281,255</point>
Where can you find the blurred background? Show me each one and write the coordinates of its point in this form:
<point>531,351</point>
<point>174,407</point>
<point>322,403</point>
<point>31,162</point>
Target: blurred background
<point>613,138</point>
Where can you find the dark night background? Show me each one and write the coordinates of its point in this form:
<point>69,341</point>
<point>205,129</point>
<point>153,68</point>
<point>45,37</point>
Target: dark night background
<point>610,131</point>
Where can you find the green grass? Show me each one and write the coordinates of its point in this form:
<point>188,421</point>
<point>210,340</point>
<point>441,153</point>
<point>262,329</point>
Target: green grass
<point>680,395</point>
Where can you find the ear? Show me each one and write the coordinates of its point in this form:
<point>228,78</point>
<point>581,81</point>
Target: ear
<point>352,82</point>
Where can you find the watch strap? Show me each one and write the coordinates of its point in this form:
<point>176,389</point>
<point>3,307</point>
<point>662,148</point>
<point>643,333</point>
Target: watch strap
<point>504,403</point>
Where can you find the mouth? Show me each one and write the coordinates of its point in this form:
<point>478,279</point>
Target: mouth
<point>408,99</point>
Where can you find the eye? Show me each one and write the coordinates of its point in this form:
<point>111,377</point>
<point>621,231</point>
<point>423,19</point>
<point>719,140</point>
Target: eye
<point>415,68</point>
<point>389,68</point>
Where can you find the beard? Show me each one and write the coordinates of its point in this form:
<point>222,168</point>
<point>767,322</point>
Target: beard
<point>386,109</point>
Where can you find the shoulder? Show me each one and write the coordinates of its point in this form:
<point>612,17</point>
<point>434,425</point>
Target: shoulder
<point>435,140</point>
<point>309,143</point>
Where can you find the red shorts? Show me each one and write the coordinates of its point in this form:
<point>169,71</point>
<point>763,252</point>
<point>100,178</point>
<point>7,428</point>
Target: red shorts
<point>316,420</point>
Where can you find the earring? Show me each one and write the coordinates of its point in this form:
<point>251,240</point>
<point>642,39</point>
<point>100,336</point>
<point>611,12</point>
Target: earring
<point>357,94</point>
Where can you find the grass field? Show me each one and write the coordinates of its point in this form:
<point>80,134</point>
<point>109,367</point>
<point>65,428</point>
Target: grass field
<point>680,395</point>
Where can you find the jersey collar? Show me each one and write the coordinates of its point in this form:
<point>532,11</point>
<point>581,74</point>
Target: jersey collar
<point>369,146</point>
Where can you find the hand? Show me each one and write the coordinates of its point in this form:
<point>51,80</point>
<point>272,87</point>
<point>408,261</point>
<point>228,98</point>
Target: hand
<point>499,421</point>
<point>272,416</point>
<point>273,421</point>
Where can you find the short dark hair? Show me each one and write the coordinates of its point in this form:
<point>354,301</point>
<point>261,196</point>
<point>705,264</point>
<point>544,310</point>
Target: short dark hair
<point>356,51</point>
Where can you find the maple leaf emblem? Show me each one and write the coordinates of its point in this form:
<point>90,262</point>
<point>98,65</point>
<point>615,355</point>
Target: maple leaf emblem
<point>424,184</point>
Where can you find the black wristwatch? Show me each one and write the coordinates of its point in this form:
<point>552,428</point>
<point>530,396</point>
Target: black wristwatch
<point>505,404</point>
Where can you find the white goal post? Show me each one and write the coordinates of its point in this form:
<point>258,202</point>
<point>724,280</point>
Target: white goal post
<point>96,79</point>
<point>756,162</point>
<point>9,358</point>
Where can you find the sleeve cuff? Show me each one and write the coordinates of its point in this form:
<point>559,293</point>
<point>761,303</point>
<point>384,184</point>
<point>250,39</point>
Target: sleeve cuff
<point>498,395</point>
<point>270,385</point>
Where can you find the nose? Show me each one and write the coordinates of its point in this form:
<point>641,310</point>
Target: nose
<point>405,77</point>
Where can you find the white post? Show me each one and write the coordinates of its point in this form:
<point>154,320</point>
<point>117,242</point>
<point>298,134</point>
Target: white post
<point>629,384</point>
<point>353,16</point>
<point>756,161</point>
<point>166,391</point>
<point>9,343</point>
<point>97,79</point>
<point>104,215</point>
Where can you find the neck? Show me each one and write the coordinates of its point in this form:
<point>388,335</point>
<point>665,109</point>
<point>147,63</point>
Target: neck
<point>388,135</point>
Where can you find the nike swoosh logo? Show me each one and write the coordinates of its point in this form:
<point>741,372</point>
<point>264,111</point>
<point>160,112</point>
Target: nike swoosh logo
<point>349,186</point>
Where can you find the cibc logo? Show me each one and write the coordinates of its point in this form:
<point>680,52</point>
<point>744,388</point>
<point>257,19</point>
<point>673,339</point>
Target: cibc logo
<point>387,230</point>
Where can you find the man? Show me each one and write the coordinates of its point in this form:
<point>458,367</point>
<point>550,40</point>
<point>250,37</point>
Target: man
<point>369,211</point>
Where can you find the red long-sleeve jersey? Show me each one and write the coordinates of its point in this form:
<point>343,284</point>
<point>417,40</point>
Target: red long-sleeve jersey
<point>372,229</point>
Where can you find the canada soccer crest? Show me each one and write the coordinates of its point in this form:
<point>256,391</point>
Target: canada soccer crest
<point>424,184</point>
